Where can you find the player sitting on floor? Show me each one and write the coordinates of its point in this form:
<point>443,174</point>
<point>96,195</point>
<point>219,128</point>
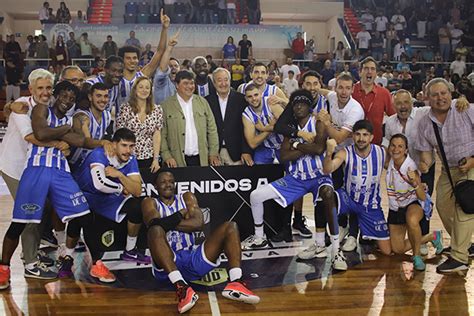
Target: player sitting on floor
<point>171,219</point>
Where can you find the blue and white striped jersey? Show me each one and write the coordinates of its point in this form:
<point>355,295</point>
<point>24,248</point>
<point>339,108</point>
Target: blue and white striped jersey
<point>113,94</point>
<point>273,140</point>
<point>176,239</point>
<point>39,156</point>
<point>270,89</point>
<point>125,88</point>
<point>320,104</point>
<point>307,166</point>
<point>362,175</point>
<point>97,131</point>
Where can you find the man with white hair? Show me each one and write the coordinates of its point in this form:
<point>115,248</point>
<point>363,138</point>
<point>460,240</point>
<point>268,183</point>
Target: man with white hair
<point>227,106</point>
<point>13,151</point>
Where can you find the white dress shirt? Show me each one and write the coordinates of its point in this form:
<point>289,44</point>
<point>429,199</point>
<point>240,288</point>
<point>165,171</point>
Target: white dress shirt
<point>191,146</point>
<point>13,148</point>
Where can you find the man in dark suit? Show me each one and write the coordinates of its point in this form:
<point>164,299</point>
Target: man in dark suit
<point>227,107</point>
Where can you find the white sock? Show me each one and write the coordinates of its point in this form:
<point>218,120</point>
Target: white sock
<point>31,265</point>
<point>175,276</point>
<point>60,236</point>
<point>335,243</point>
<point>235,274</point>
<point>68,251</point>
<point>131,242</point>
<point>319,239</point>
<point>259,230</point>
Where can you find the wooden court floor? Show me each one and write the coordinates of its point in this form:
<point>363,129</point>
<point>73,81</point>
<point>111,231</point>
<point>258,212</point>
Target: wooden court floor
<point>378,286</point>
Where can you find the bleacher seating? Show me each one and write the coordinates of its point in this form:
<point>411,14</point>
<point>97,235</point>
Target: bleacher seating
<point>100,11</point>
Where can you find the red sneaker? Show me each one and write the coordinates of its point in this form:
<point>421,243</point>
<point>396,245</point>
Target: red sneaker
<point>238,291</point>
<point>100,271</point>
<point>187,298</point>
<point>4,277</point>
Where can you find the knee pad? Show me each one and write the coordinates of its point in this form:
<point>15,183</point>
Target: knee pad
<point>15,230</point>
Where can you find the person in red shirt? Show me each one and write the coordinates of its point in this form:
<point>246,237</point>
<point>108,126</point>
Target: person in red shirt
<point>375,100</point>
<point>297,46</point>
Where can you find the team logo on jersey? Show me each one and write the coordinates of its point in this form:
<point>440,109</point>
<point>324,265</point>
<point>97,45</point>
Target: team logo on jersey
<point>108,238</point>
<point>30,208</point>
<point>281,182</point>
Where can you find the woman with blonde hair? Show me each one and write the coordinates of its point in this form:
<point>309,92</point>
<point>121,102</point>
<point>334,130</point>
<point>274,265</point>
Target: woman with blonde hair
<point>145,119</point>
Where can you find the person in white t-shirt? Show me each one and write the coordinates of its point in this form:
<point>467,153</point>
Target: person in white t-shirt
<point>290,83</point>
<point>367,19</point>
<point>289,66</point>
<point>458,66</point>
<point>363,39</point>
<point>399,22</point>
<point>456,35</point>
<point>381,22</point>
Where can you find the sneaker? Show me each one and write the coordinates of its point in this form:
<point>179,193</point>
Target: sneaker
<point>350,244</point>
<point>343,232</point>
<point>238,291</point>
<point>100,271</point>
<point>49,240</point>
<point>339,261</point>
<point>424,249</point>
<point>451,265</point>
<point>40,271</point>
<point>313,251</point>
<point>283,235</point>
<point>135,255</point>
<point>80,247</point>
<point>438,241</point>
<point>418,263</point>
<point>447,251</point>
<point>187,298</point>
<point>44,258</point>
<point>4,277</point>
<point>254,242</point>
<point>471,251</point>
<point>300,228</point>
<point>65,268</point>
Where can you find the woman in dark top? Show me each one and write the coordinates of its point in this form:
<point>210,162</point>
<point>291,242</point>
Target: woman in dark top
<point>61,51</point>
<point>63,15</point>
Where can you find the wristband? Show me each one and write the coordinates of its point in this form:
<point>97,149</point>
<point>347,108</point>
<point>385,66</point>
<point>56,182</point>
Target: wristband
<point>295,145</point>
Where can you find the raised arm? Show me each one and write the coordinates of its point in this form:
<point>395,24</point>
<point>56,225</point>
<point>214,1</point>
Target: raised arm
<point>331,164</point>
<point>150,68</point>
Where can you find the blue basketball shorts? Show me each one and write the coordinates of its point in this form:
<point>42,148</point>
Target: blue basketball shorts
<point>290,189</point>
<point>265,156</point>
<point>108,205</point>
<point>192,264</point>
<point>372,222</point>
<point>37,184</point>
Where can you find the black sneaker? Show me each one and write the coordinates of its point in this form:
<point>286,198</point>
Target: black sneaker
<point>300,228</point>
<point>43,258</point>
<point>447,251</point>
<point>40,271</point>
<point>451,265</point>
<point>283,235</point>
<point>49,240</point>
<point>471,251</point>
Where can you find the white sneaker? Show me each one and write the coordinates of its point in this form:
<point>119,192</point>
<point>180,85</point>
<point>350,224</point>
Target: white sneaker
<point>313,251</point>
<point>254,242</point>
<point>424,249</point>
<point>343,232</point>
<point>350,244</point>
<point>339,262</point>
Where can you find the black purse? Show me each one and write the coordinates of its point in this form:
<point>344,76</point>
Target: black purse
<point>464,189</point>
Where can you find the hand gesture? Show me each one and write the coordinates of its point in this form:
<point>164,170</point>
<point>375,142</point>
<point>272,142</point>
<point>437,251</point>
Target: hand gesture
<point>112,172</point>
<point>155,166</point>
<point>165,20</point>
<point>324,117</point>
<point>413,177</point>
<point>331,145</point>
